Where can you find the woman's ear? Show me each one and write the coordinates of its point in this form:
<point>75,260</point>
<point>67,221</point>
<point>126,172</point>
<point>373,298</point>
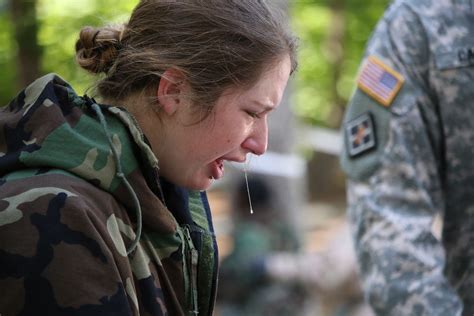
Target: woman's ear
<point>170,91</point>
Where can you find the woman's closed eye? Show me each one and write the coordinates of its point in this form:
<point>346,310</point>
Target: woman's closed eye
<point>253,114</point>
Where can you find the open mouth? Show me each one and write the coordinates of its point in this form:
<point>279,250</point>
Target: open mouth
<point>217,169</point>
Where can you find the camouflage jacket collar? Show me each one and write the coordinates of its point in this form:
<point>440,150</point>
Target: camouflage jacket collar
<point>49,127</point>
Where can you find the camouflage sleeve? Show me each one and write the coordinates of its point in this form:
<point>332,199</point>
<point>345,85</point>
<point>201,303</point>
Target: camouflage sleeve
<point>391,157</point>
<point>56,257</point>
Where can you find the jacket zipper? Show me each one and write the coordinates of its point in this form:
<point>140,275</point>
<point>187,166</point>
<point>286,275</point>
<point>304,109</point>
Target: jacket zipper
<point>192,262</point>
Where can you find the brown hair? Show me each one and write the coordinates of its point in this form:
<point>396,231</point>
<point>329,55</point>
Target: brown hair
<point>216,44</point>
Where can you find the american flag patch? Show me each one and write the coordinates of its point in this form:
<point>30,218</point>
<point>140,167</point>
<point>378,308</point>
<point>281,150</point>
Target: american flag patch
<point>379,81</point>
<point>360,134</point>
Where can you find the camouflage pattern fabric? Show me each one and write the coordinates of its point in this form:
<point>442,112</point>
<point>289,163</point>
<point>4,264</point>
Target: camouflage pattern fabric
<point>421,165</point>
<point>66,219</point>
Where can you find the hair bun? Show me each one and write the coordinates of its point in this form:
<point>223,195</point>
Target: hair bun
<point>97,48</point>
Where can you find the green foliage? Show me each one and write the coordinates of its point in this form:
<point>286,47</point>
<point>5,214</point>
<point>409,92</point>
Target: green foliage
<point>312,20</point>
<point>7,60</point>
<point>60,22</point>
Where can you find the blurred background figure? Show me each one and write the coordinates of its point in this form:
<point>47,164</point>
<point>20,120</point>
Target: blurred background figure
<point>244,287</point>
<point>268,272</point>
<point>328,276</point>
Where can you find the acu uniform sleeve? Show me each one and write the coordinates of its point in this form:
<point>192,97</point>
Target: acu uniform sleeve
<point>391,159</point>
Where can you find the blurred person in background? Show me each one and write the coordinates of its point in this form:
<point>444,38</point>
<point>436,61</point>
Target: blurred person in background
<point>409,157</point>
<point>244,286</point>
<point>183,86</point>
<point>267,272</point>
<point>328,275</point>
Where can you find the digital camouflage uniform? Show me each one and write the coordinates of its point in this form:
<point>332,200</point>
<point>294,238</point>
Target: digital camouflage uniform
<point>68,215</point>
<point>409,155</point>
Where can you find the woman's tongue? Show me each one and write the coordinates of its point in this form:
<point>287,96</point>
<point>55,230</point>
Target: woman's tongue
<point>217,169</point>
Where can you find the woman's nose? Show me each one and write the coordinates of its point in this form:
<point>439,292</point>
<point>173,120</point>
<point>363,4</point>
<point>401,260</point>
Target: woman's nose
<point>257,142</point>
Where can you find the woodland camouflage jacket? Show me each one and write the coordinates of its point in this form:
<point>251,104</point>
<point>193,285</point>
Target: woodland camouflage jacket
<point>75,180</point>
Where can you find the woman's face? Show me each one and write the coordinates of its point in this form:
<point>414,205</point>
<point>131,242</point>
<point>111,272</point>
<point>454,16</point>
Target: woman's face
<point>192,154</point>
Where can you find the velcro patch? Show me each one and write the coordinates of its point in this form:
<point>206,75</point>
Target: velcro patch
<point>379,81</point>
<point>360,134</point>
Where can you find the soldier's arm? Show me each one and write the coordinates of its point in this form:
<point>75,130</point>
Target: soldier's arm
<point>391,157</point>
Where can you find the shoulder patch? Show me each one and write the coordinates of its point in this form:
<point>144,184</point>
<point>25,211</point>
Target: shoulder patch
<point>379,81</point>
<point>360,134</point>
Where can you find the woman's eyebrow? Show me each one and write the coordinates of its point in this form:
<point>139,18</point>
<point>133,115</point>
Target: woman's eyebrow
<point>266,106</point>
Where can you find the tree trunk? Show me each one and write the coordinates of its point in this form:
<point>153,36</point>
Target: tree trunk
<point>326,182</point>
<point>25,22</point>
<point>335,44</point>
